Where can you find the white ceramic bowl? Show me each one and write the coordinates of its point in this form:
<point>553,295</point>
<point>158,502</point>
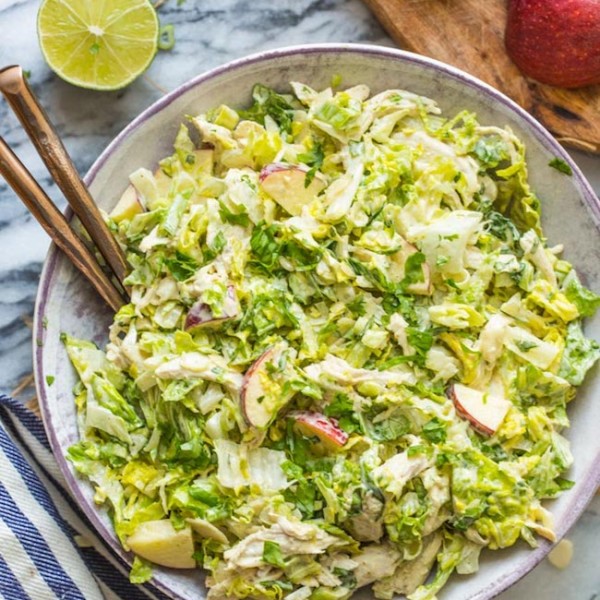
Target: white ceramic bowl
<point>571,215</point>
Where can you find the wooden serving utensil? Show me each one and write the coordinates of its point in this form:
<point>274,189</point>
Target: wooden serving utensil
<point>50,148</point>
<point>55,224</point>
<point>469,34</point>
<point>34,120</point>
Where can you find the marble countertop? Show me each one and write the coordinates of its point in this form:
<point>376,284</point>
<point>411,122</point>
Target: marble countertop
<point>207,35</point>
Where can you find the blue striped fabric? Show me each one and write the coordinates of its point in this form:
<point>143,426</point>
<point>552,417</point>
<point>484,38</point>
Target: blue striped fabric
<point>10,588</point>
<point>48,549</point>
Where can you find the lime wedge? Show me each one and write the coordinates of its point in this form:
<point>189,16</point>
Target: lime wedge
<point>98,44</point>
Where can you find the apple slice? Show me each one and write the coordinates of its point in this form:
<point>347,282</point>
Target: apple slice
<point>325,428</point>
<point>201,314</point>
<point>261,396</point>
<point>203,161</point>
<point>485,411</point>
<point>207,530</point>
<point>159,542</point>
<point>163,183</point>
<point>285,183</point>
<point>128,206</point>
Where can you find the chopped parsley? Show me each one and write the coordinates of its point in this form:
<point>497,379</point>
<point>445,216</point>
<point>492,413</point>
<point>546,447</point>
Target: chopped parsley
<point>560,165</point>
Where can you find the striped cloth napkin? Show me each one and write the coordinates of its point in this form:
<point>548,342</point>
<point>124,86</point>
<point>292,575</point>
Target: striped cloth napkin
<point>48,549</point>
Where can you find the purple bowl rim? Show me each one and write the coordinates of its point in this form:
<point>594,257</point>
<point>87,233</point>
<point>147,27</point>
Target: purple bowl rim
<point>578,503</point>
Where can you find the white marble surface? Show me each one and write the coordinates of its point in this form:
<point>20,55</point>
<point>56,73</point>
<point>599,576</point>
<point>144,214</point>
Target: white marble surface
<point>207,34</point>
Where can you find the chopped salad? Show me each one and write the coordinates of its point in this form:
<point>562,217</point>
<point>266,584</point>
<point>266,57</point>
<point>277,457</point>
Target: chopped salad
<point>348,354</point>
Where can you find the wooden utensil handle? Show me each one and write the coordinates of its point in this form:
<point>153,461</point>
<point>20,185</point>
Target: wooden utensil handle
<point>50,148</point>
<point>55,224</point>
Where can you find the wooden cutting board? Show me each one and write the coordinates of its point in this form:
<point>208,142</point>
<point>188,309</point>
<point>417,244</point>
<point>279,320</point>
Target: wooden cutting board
<point>469,34</point>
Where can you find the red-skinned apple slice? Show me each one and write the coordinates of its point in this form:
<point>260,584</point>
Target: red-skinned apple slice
<point>485,411</point>
<point>325,428</point>
<point>202,315</point>
<point>128,206</point>
<point>259,404</point>
<point>285,183</point>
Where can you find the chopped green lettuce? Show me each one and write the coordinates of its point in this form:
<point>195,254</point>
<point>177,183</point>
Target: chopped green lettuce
<point>579,356</point>
<point>585,300</point>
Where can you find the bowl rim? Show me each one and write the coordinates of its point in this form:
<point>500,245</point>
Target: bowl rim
<point>589,197</point>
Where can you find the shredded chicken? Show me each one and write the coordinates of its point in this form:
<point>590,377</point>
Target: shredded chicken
<point>367,525</point>
<point>394,474</point>
<point>375,563</point>
<point>293,537</point>
<point>201,366</point>
<point>410,574</point>
<point>339,371</point>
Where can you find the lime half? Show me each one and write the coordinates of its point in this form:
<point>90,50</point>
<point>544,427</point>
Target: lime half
<point>98,44</point>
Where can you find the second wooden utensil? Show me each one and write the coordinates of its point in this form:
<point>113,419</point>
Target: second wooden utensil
<point>56,225</point>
